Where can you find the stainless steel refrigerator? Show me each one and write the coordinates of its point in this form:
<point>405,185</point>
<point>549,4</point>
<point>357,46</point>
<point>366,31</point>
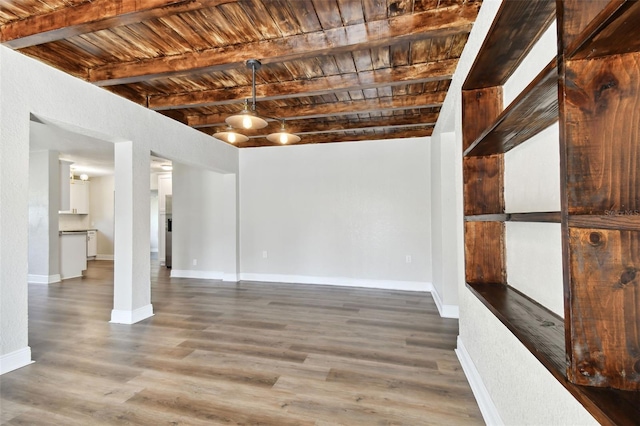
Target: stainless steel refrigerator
<point>168,230</point>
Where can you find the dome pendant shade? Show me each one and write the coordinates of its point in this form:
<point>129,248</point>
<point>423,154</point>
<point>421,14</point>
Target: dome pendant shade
<point>230,136</point>
<point>246,120</point>
<point>283,136</point>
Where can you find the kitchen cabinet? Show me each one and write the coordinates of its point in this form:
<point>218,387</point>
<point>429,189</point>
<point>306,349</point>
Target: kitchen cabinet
<point>92,243</point>
<point>73,253</point>
<point>79,197</point>
<point>65,170</point>
<point>164,189</point>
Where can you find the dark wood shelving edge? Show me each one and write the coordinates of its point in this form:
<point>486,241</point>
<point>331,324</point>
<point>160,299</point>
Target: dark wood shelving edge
<point>609,32</point>
<point>497,217</point>
<point>544,217</point>
<point>535,109</point>
<point>511,37</point>
<point>542,333</point>
<point>550,217</point>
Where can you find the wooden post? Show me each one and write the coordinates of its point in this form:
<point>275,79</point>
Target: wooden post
<point>600,155</point>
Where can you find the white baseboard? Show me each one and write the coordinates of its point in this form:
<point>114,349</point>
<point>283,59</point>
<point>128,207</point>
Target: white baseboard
<point>68,277</point>
<point>339,281</point>
<point>104,257</point>
<point>445,311</point>
<point>486,405</point>
<point>233,278</point>
<point>203,275</point>
<point>131,317</point>
<point>14,360</point>
<point>43,279</point>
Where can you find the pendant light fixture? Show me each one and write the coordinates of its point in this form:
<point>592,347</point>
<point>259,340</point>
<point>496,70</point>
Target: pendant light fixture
<point>283,136</point>
<point>248,118</point>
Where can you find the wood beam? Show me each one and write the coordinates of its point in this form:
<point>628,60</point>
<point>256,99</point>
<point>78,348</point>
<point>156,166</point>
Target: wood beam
<point>306,127</point>
<point>427,100</point>
<point>414,133</point>
<point>92,16</point>
<point>128,93</point>
<point>400,29</point>
<point>176,115</point>
<point>409,74</point>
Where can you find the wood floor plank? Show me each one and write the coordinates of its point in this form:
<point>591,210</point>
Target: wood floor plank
<point>277,368</point>
<point>406,408</point>
<point>246,353</point>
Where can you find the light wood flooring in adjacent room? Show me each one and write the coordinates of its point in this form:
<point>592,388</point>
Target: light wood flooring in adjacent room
<point>251,353</point>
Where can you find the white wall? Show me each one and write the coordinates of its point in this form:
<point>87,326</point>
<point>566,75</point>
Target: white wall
<point>446,202</point>
<point>44,202</point>
<point>346,214</point>
<point>28,88</point>
<point>534,250</point>
<point>511,386</point>
<point>197,223</point>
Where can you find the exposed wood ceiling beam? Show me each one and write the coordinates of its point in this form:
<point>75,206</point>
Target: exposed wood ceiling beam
<point>371,128</point>
<point>404,28</point>
<point>92,16</point>
<point>412,133</point>
<point>176,115</point>
<point>408,74</point>
<point>302,127</point>
<point>427,100</point>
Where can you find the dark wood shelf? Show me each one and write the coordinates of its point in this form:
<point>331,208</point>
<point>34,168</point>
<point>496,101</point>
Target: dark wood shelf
<point>611,32</point>
<point>625,222</point>
<point>549,217</point>
<point>517,28</point>
<point>542,333</point>
<point>535,109</point>
<point>498,217</point>
<point>539,329</point>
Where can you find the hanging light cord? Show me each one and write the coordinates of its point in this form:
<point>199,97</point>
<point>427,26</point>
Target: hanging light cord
<point>253,86</point>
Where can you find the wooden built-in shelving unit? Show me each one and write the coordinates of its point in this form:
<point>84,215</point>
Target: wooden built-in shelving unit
<point>592,88</point>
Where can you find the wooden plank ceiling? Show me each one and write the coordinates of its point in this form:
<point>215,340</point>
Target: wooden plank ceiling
<point>335,70</point>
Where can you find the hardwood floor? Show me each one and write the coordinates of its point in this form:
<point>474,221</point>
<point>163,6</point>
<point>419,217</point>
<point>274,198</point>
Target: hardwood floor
<point>252,353</point>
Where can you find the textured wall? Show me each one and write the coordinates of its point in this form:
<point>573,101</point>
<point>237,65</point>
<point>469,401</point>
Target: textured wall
<point>344,213</point>
<point>198,220</point>
<point>44,201</point>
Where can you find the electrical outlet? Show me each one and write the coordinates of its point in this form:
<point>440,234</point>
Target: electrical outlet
<point>195,262</point>
<point>264,254</point>
<point>408,258</point>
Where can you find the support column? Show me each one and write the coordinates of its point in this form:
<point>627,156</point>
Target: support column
<point>14,229</point>
<point>132,283</point>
